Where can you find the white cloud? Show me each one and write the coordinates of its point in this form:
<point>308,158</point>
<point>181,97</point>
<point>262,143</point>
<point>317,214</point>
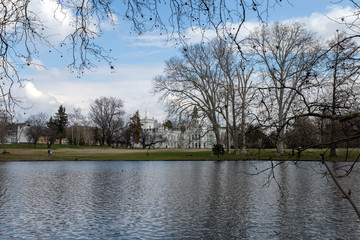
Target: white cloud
<point>109,25</point>
<point>326,24</point>
<point>131,83</point>
<point>153,39</point>
<point>57,19</point>
<point>32,92</point>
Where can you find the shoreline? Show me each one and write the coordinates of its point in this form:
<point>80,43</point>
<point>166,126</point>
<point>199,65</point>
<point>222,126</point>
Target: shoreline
<point>64,153</point>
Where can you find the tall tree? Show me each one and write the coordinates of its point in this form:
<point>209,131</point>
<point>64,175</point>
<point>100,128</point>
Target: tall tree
<point>287,53</point>
<point>60,120</point>
<point>339,86</point>
<point>135,128</point>
<point>237,93</point>
<point>193,80</point>
<point>77,127</point>
<point>51,132</point>
<point>107,114</point>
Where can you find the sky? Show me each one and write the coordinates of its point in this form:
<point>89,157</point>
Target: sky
<point>137,60</point>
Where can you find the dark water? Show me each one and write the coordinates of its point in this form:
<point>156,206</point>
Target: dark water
<point>173,200</point>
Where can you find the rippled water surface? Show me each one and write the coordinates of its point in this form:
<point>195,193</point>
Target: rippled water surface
<point>174,200</point>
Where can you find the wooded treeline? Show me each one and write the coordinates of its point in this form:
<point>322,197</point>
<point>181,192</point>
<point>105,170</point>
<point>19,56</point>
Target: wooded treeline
<point>286,83</point>
<point>106,124</point>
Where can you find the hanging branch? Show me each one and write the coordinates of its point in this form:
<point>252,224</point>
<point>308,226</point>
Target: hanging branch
<point>346,195</point>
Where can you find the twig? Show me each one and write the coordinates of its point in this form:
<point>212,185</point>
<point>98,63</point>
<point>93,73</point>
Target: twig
<point>346,195</point>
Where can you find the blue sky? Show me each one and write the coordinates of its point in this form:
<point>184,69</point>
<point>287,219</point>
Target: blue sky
<point>138,59</point>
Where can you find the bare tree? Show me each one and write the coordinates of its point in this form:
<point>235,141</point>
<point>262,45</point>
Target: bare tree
<point>149,138</point>
<point>237,91</point>
<point>287,53</point>
<point>192,81</point>
<point>88,132</point>
<point>339,86</point>
<point>335,100</point>
<point>335,91</point>
<point>107,114</point>
<point>246,90</point>
<point>77,124</point>
<point>302,134</point>
<point>214,79</point>
<point>226,57</point>
<point>37,125</point>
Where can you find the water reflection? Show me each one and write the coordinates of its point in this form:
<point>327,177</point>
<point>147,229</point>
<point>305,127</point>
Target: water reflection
<point>173,200</point>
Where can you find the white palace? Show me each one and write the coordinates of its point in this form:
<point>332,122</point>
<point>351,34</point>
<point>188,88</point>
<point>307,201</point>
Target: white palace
<point>194,136</point>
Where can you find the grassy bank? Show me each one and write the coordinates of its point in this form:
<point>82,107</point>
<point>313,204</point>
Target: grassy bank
<point>27,152</point>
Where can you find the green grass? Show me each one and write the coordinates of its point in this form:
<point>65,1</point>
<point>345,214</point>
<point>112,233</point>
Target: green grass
<point>44,146</point>
<point>27,152</point>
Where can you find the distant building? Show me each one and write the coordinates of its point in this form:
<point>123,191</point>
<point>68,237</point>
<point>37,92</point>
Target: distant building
<point>194,136</point>
<point>17,133</point>
<point>148,124</point>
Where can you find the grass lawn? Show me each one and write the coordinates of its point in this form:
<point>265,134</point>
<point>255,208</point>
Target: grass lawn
<point>27,152</point>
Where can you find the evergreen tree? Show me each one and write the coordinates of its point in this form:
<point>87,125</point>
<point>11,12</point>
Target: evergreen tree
<point>255,137</point>
<point>135,128</point>
<point>195,117</point>
<point>195,113</point>
<point>168,124</point>
<point>218,149</point>
<point>59,122</point>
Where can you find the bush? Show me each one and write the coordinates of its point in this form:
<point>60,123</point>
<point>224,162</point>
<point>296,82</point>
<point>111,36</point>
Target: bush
<point>218,149</point>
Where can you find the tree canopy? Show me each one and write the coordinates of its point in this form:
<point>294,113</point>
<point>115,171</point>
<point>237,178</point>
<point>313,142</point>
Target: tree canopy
<point>107,114</point>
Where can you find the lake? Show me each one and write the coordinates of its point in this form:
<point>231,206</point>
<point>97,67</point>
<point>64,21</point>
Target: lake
<point>175,200</point>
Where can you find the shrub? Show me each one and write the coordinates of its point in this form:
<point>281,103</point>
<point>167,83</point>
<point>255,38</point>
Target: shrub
<point>218,149</point>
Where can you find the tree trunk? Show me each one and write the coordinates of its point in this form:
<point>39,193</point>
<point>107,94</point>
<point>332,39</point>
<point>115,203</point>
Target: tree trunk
<point>72,135</point>
<point>235,137</point>
<point>332,139</point>
<point>242,134</point>
<point>280,141</point>
<point>213,119</point>
<point>227,129</point>
<point>217,135</point>
<point>281,134</point>
<point>108,140</point>
<point>280,147</point>
<point>333,112</point>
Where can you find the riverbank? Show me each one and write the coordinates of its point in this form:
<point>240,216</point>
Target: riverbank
<point>67,153</point>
